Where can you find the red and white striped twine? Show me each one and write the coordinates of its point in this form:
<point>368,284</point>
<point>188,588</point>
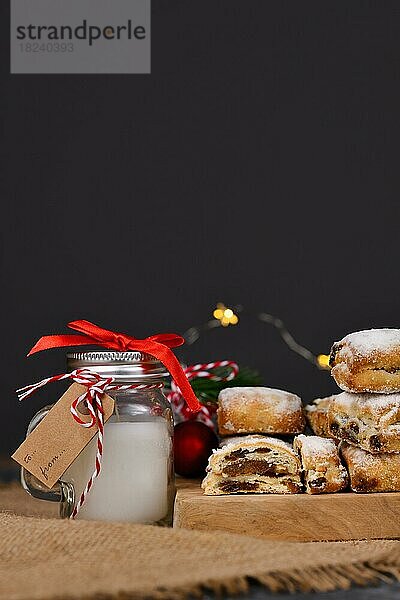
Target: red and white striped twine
<point>204,370</point>
<point>96,387</point>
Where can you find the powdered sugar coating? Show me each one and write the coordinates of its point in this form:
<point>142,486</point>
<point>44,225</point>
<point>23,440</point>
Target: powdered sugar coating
<point>371,403</point>
<point>259,410</point>
<point>371,421</point>
<point>284,402</point>
<point>371,472</point>
<point>252,442</point>
<point>367,361</point>
<point>369,342</point>
<point>319,404</point>
<point>315,445</point>
<point>361,459</point>
<point>323,471</point>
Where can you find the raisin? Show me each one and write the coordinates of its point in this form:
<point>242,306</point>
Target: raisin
<point>236,454</point>
<point>350,432</point>
<point>354,427</point>
<point>317,483</point>
<point>360,484</point>
<point>335,349</point>
<point>237,486</point>
<point>334,427</point>
<point>250,467</point>
<point>375,442</point>
<point>293,488</point>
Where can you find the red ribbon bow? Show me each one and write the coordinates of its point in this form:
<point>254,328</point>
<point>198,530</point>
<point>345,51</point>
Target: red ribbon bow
<point>158,345</point>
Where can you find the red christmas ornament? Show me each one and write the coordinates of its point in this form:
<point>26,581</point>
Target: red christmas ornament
<point>193,443</point>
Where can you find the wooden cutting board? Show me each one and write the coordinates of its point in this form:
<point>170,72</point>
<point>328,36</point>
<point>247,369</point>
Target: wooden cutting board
<point>297,517</point>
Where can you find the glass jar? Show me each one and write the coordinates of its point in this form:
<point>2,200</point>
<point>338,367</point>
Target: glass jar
<point>136,482</point>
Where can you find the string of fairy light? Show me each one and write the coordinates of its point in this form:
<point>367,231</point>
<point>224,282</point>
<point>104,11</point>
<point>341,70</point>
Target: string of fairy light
<point>225,316</point>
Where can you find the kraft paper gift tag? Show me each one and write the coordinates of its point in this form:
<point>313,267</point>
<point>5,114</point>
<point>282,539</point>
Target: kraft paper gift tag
<point>58,439</point>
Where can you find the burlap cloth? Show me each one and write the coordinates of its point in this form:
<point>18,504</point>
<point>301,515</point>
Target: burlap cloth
<point>45,558</point>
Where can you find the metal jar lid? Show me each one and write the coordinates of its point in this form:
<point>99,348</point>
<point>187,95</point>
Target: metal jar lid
<point>123,366</point>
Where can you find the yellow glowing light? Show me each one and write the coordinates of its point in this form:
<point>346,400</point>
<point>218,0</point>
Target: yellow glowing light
<point>323,361</point>
<point>225,315</point>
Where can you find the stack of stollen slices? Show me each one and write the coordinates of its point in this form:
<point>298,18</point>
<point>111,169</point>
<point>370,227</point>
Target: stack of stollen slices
<point>253,457</point>
<point>365,418</point>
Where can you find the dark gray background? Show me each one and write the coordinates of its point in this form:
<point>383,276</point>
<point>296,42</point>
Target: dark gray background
<point>257,164</point>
